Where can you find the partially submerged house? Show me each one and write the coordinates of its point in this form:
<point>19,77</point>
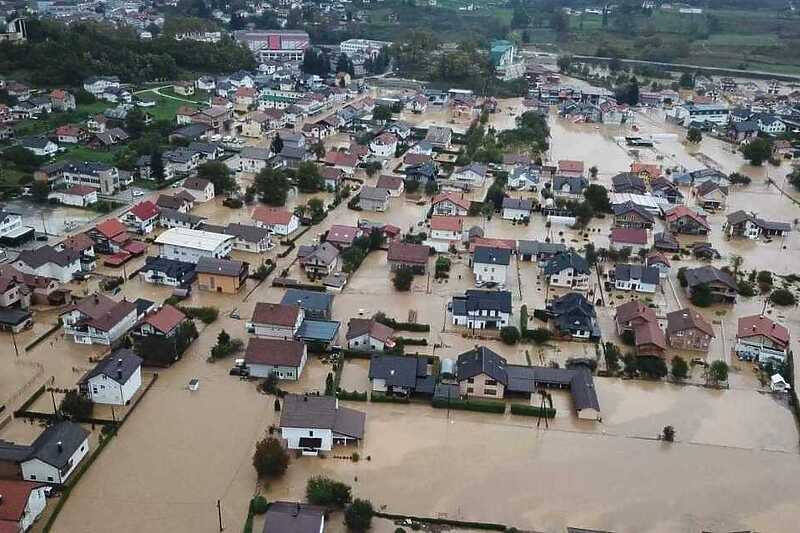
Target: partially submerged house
<point>315,424</point>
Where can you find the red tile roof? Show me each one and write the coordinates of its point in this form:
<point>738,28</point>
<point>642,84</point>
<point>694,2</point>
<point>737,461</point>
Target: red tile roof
<point>275,352</point>
<point>570,165</point>
<point>110,228</point>
<point>15,498</point>
<point>688,318</point>
<point>145,210</point>
<point>341,159</point>
<point>457,199</point>
<point>683,211</point>
<point>80,190</point>
<point>342,234</point>
<point>493,243</point>
<point>165,319</point>
<point>408,253</point>
<point>79,242</point>
<point>271,215</point>
<point>654,171</point>
<point>750,326</point>
<point>443,223</point>
<point>629,235</point>
<point>278,314</point>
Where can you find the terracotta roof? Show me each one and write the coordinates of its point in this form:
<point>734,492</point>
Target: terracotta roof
<point>79,242</point>
<point>570,165</point>
<point>15,499</point>
<point>656,258</point>
<point>649,333</point>
<point>391,183</point>
<point>408,253</point>
<point>688,318</point>
<point>683,211</point>
<point>276,352</point>
<point>650,169</point>
<point>750,326</point>
<point>629,235</point>
<point>110,228</point>
<point>493,243</point>
<point>342,234</point>
<point>635,309</point>
<point>446,223</point>
<point>341,159</point>
<point>412,159</point>
<point>455,198</point>
<point>271,215</point>
<point>165,319</point>
<point>80,190</point>
<point>278,314</point>
<point>144,210</point>
<point>195,184</point>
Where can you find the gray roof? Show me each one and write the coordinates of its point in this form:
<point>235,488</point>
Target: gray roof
<point>575,184</point>
<point>212,265</point>
<point>253,152</point>
<point>46,446</point>
<point>118,366</point>
<point>524,204</point>
<point>247,232</point>
<point>321,412</point>
<point>378,194</point>
<point>398,370</point>
<point>737,217</point>
<point>628,182</point>
<point>538,247</point>
<point>179,216</point>
<point>317,330</point>
<point>565,260</point>
<point>324,253</point>
<point>169,267</point>
<point>291,517</point>
<point>492,256</point>
<point>309,300</point>
<point>709,274</point>
<point>626,207</point>
<point>48,254</point>
<point>477,300</point>
<point>481,360</point>
<point>627,272</point>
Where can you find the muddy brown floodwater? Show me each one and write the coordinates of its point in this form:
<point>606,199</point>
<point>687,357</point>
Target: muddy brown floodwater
<point>736,464</point>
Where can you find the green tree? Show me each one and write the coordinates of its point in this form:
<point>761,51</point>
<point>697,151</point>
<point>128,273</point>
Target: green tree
<point>219,174</point>
<point>540,335</point>
<point>403,277</point>
<point>277,144</point>
<point>597,196</point>
<point>76,406</point>
<point>134,123</point>
<point>718,372</point>
<point>736,262</point>
<point>782,297</point>
<point>382,113</point>
<point>509,335</point>
<point>757,151</point>
<point>564,63</point>
<point>668,433</point>
<point>358,515</point>
<point>316,209</point>
<point>324,491</point>
<point>372,168</point>
<point>157,165</point>
<point>702,295</point>
<point>272,186</point>
<point>679,368</point>
<point>308,177</point>
<point>40,190</point>
<point>270,458</point>
<point>612,355</point>
<point>694,135</point>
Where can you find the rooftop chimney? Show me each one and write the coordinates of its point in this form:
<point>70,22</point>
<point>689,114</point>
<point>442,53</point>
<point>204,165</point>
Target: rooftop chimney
<point>60,446</point>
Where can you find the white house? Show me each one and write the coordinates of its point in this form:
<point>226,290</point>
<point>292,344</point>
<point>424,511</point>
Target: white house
<point>447,229</point>
<point>142,217</point>
<point>22,503</point>
<point>97,319</point>
<point>56,453</point>
<point>279,321</point>
<point>115,379</point>
<point>450,204</point>
<point>253,159</point>
<point>517,208</point>
<point>76,196</point>
<point>490,265</point>
<point>283,359</point>
<point>474,174</point>
<point>201,189</point>
<point>40,146</point>
<point>317,423</point>
<point>761,339</point>
<point>97,85</point>
<point>384,145</point>
<point>278,220</point>
<point>189,245</point>
<point>49,262</point>
<point>368,335</point>
<point>568,269</point>
<point>481,309</point>
<point>636,278</point>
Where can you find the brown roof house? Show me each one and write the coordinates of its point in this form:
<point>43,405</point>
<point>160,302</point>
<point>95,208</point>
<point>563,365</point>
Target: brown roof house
<point>283,359</point>
<point>221,275</point>
<point>22,503</point>
<point>315,424</point>
<point>407,255</point>
<point>639,320</point>
<point>723,286</point>
<point>761,339</point>
<point>294,517</point>
<point>367,334</point>
<point>711,195</point>
<point>688,330</point>
<point>97,319</point>
<point>280,321</point>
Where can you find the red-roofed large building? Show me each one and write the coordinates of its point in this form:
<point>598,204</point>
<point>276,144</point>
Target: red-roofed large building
<point>282,358</point>
<point>343,236</point>
<point>447,228</point>
<point>633,238</point>
<point>639,320</point>
<point>570,167</point>
<point>276,219</point>
<point>77,196</point>
<point>761,339</point>
<point>21,504</point>
<point>142,217</point>
<point>407,255</point>
<point>109,236</point>
<point>450,204</point>
<point>683,220</point>
<point>342,160</point>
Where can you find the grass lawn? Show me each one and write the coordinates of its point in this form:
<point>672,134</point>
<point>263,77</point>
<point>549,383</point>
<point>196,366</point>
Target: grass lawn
<point>11,178</point>
<point>53,120</point>
<point>84,153</point>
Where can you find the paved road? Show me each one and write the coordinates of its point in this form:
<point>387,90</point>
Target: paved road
<point>157,91</point>
<point>685,66</point>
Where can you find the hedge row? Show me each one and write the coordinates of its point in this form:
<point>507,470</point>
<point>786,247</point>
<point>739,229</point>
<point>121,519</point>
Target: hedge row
<point>532,410</point>
<point>354,396</point>
<point>354,354</point>
<point>411,342</point>
<point>379,397</point>
<point>483,406</point>
<point>403,326</point>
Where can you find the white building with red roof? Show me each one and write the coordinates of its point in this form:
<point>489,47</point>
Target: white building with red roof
<point>384,145</point>
<point>446,231</point>
<point>450,204</point>
<point>21,504</point>
<point>276,219</point>
<point>761,339</point>
<point>142,217</point>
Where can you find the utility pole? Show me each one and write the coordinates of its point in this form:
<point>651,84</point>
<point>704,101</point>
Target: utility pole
<point>219,514</point>
<point>14,340</point>
<point>53,397</point>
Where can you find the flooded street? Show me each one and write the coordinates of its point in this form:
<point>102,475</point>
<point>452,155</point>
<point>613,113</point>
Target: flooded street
<point>735,465</point>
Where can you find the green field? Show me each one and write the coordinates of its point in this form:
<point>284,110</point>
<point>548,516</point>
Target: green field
<point>51,121</point>
<point>84,153</point>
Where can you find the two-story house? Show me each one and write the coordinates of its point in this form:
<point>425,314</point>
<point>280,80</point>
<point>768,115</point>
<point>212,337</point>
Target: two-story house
<point>97,319</point>
<point>490,265</point>
<point>481,309</point>
<point>568,269</point>
<point>279,321</point>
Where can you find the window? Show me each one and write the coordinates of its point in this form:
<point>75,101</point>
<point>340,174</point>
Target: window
<point>471,380</point>
<point>491,382</point>
<point>49,478</point>
<point>470,390</point>
<point>490,392</point>
<point>33,476</point>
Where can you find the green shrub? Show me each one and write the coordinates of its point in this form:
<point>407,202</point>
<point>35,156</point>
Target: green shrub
<point>321,490</point>
<point>379,397</point>
<point>782,297</point>
<point>207,315</point>
<point>509,335</point>
<point>532,410</point>
<point>358,515</point>
<point>401,326</point>
<point>482,406</point>
<point>259,505</point>
<point>354,396</point>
